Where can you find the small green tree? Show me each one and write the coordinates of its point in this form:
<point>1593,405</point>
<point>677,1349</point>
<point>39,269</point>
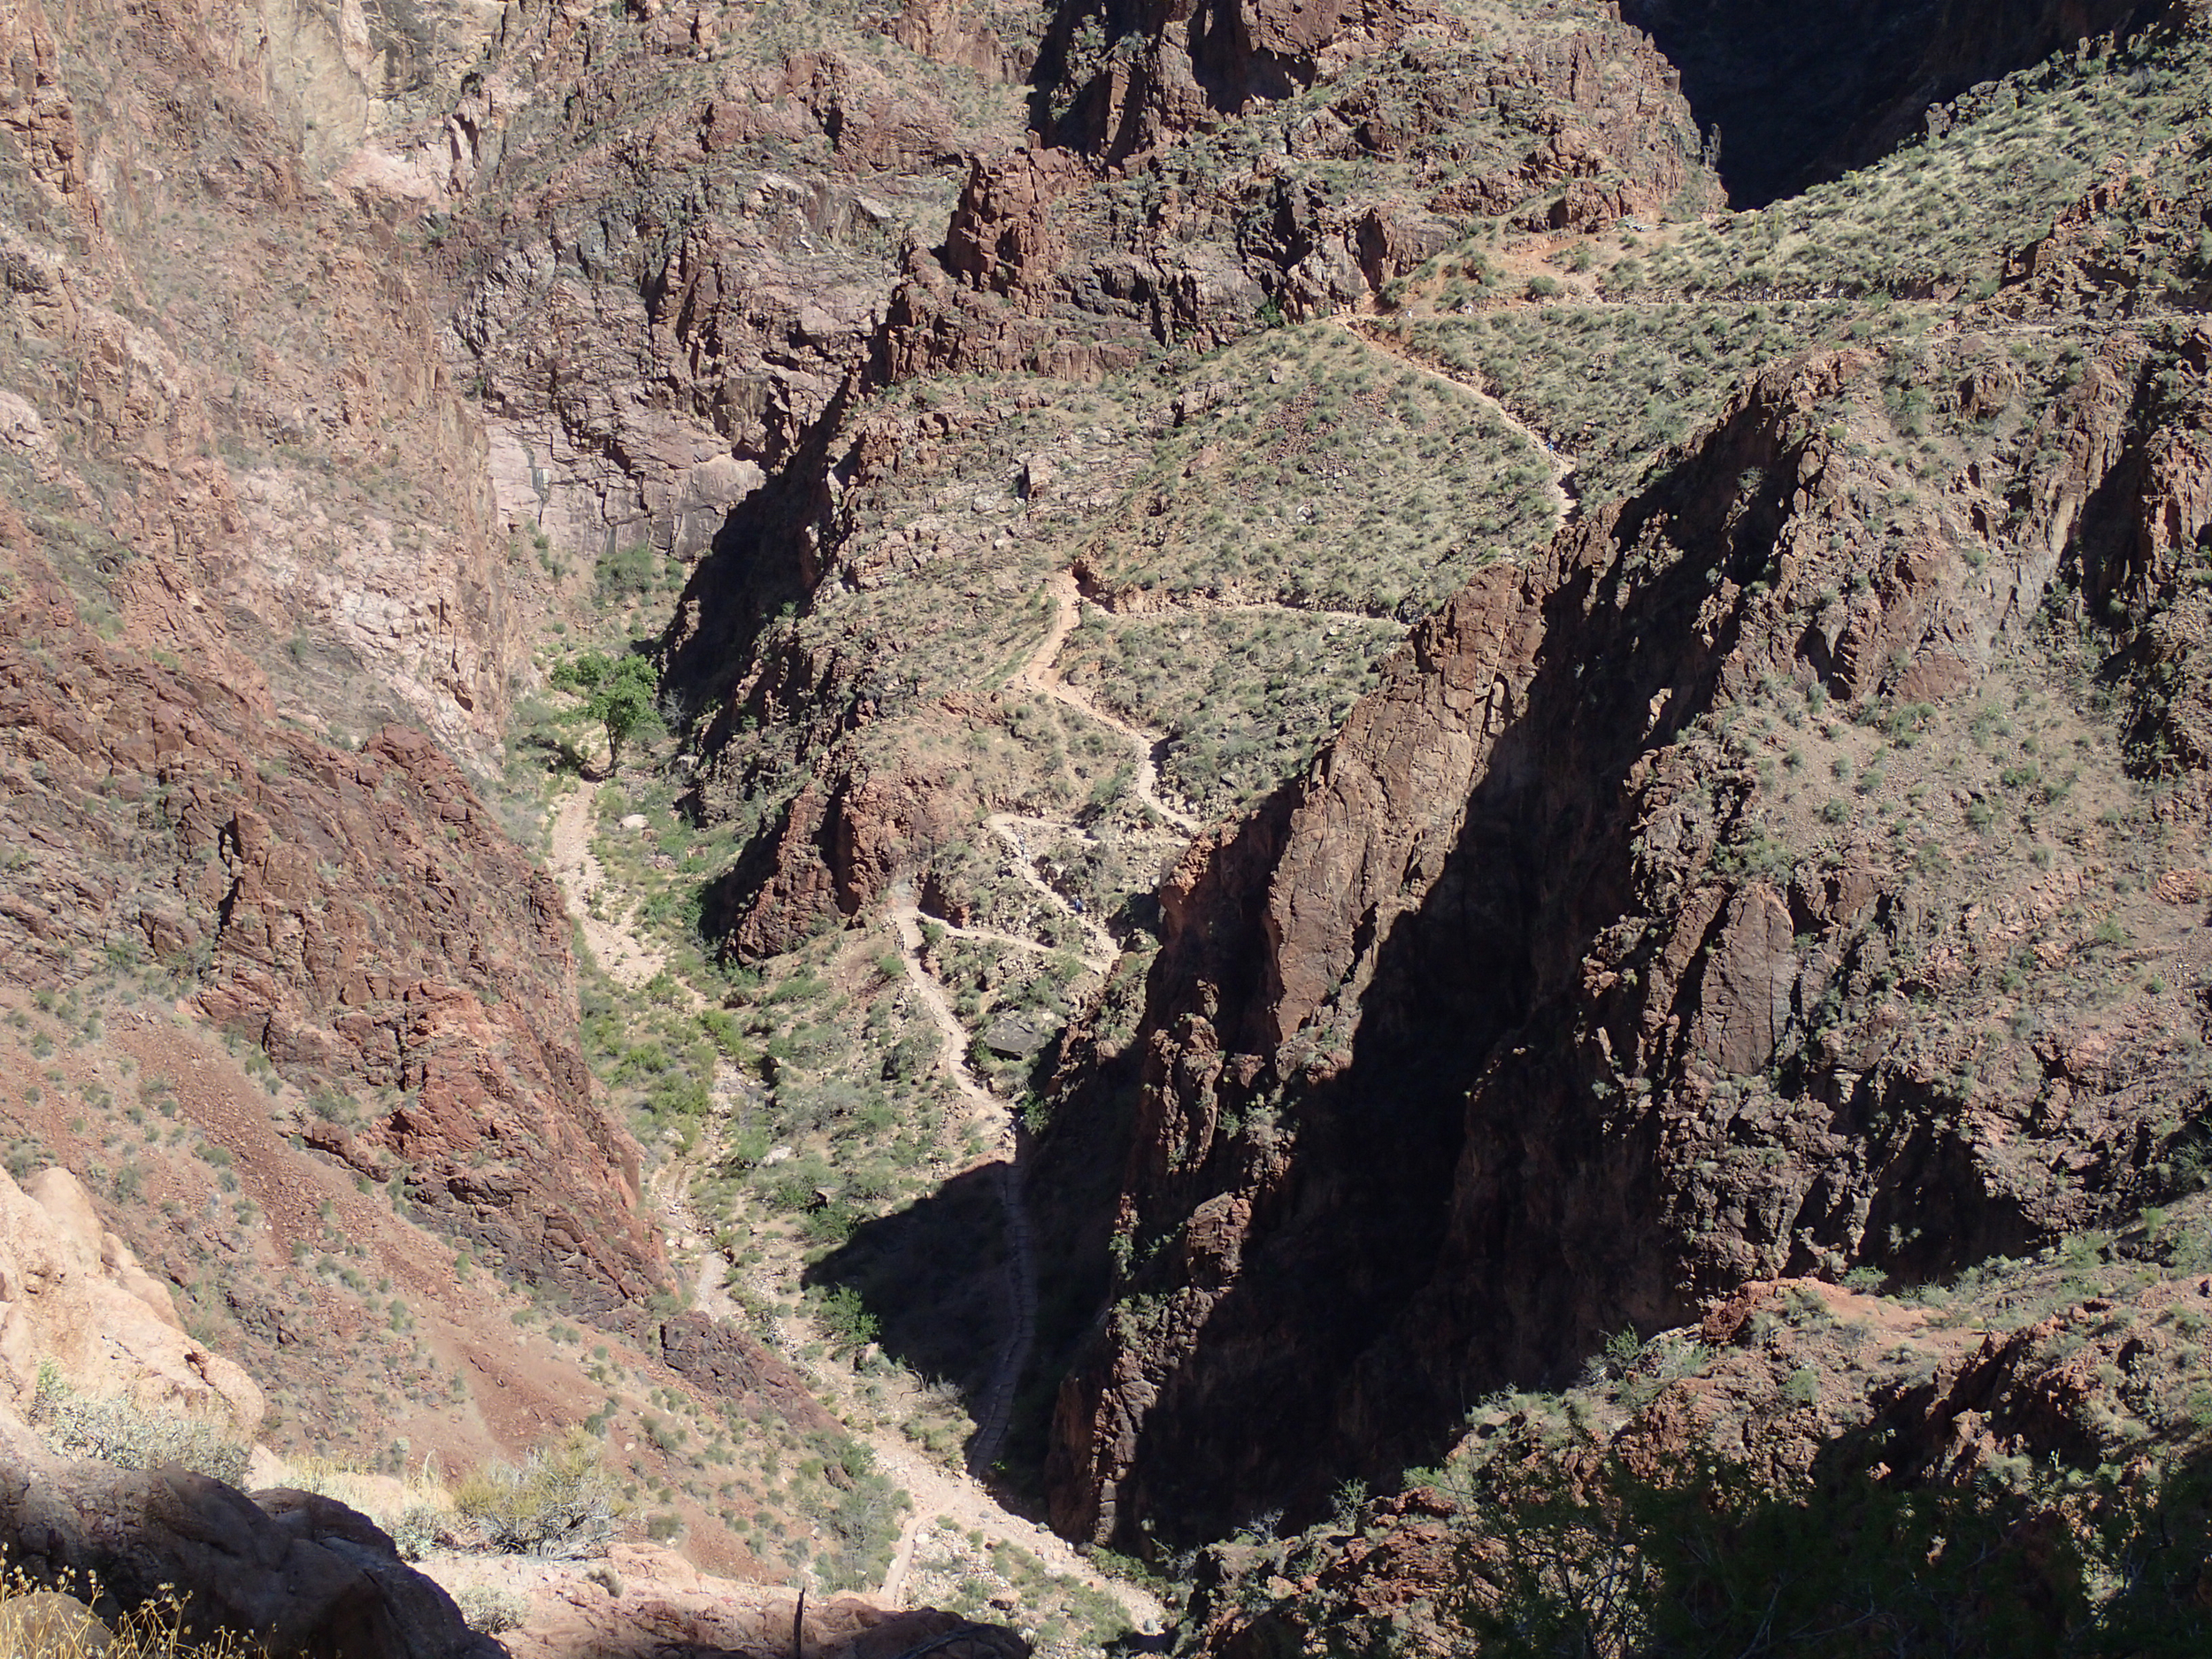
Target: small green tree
<point>618,693</point>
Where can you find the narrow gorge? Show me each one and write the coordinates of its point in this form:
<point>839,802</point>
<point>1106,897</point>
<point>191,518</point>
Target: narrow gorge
<point>1083,828</point>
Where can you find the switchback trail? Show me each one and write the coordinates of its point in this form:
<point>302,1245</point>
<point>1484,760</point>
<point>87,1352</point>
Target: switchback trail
<point>1041,675</point>
<point>1566,495</point>
<point>990,1114</point>
<point>933,1496</point>
<point>1007,827</point>
<point>937,1492</point>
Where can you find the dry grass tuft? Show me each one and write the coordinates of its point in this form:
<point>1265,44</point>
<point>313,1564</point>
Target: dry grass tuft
<point>60,1624</point>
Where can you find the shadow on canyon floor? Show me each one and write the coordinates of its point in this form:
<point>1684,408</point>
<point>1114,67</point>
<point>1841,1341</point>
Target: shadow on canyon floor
<point>932,1276</point>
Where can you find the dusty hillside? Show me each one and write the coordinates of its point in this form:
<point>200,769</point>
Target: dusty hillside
<point>1795,869</point>
<point>1081,758</point>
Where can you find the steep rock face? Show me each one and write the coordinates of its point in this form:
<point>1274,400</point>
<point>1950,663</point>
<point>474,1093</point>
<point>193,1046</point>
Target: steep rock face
<point>1178,68</point>
<point>1055,265</point>
<point>359,915</point>
<point>1518,1020</point>
<point>315,474</point>
<point>1795,97</point>
<point>665,289</point>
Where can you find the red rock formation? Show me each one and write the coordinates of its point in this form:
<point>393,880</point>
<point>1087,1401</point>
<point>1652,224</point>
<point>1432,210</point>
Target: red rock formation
<point>1458,1054</point>
<point>300,1572</point>
<point>1001,237</point>
<point>946,32</point>
<point>358,915</point>
<point>726,1365</point>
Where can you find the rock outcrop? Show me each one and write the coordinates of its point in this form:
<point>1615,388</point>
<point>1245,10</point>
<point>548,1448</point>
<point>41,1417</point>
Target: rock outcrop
<point>646,1598</point>
<point>298,1573</point>
<point>725,1364</point>
<point>77,1308</point>
<point>1529,1015</point>
<point>84,1328</point>
<point>359,915</point>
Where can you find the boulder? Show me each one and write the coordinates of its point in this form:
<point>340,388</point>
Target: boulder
<point>301,1574</point>
<point>73,1297</point>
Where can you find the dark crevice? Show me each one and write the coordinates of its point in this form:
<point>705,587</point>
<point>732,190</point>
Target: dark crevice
<point>1799,94</point>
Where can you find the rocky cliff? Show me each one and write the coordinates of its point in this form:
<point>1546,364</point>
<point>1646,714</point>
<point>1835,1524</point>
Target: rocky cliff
<point>1492,750</point>
<point>356,913</point>
<point>1790,99</point>
<point>243,542</point>
<point>1079,262</point>
<point>1556,1000</point>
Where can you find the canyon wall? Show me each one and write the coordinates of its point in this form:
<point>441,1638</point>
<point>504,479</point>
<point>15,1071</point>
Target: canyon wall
<point>1539,1010</point>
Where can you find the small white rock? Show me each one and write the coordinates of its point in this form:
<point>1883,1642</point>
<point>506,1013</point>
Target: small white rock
<point>635,821</point>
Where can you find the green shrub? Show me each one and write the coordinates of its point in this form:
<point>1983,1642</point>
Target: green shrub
<point>1709,1563</point>
<point>559,1502</point>
<point>490,1608</point>
<point>111,1430</point>
<point>415,1530</point>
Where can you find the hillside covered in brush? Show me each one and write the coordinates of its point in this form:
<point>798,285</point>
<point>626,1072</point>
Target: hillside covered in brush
<point>1372,825</point>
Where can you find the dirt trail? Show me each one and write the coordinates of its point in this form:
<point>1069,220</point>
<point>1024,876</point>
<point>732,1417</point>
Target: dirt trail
<point>1566,493</point>
<point>936,1492</point>
<point>988,1111</point>
<point>1152,607</point>
<point>1041,675</point>
<point>670,1188</point>
<point>1096,958</point>
<point>620,954</point>
<point>1007,827</point>
<point>990,1114</point>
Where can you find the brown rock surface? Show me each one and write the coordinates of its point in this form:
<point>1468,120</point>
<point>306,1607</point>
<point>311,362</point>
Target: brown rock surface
<point>302,1574</point>
<point>667,1607</point>
<point>1472,1022</point>
<point>725,1364</point>
<point>359,915</point>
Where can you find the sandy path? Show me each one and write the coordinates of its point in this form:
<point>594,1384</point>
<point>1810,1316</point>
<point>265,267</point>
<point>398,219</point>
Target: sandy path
<point>1566,495</point>
<point>989,1114</point>
<point>670,1188</point>
<point>1041,675</point>
<point>620,954</point>
<point>1007,827</point>
<point>936,1492</point>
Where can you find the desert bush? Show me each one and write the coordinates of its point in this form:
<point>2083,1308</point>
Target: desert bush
<point>415,1531</point>
<point>558,1503</point>
<point>58,1622</point>
<point>417,1513</point>
<point>111,1430</point>
<point>490,1607</point>
<point>1711,1559</point>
